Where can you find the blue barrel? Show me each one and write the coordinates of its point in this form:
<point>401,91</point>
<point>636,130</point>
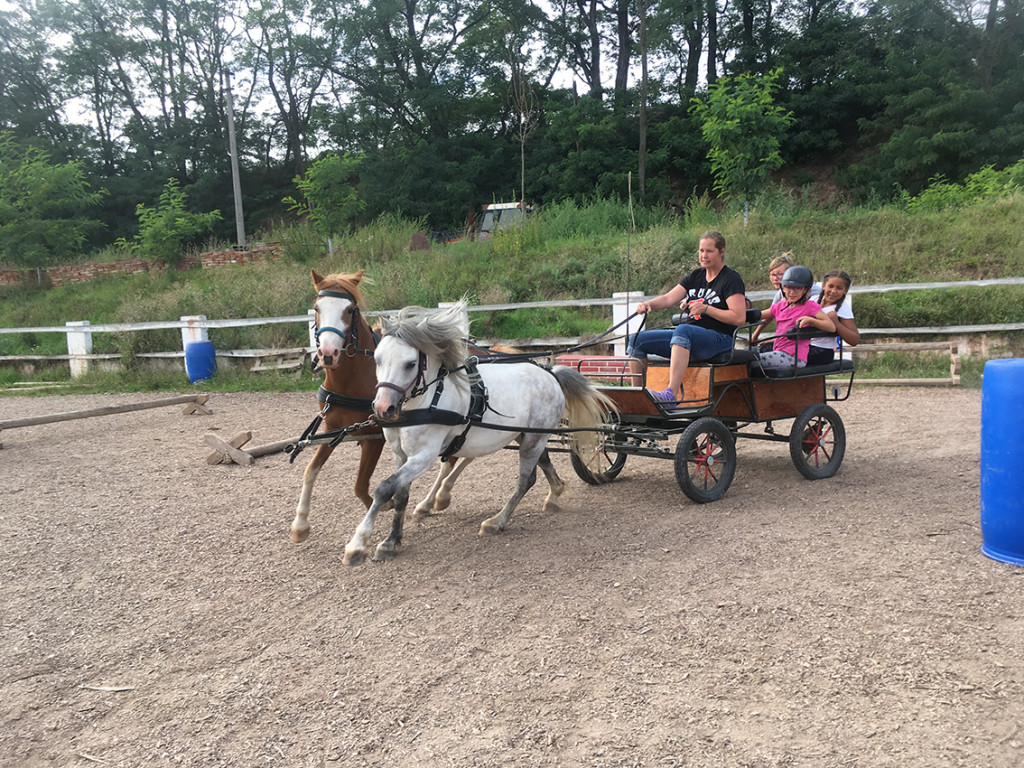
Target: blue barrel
<point>200,360</point>
<point>1002,461</point>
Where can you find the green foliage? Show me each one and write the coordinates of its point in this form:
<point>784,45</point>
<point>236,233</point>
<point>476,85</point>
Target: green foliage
<point>986,184</point>
<point>560,253</point>
<point>165,230</point>
<point>42,206</point>
<point>331,200</point>
<point>744,128</point>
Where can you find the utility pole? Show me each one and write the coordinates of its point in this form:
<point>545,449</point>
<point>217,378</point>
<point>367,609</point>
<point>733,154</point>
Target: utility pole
<point>233,152</point>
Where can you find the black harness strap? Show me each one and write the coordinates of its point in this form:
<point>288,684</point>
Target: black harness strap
<point>339,400</point>
<point>434,415</point>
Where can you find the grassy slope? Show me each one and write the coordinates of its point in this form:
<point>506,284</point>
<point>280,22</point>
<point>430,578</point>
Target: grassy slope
<point>563,252</point>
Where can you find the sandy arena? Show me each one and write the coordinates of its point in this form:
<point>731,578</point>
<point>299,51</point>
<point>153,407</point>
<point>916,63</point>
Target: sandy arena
<point>155,613</point>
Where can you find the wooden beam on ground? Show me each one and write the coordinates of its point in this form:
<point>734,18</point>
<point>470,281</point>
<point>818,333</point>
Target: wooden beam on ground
<point>219,457</point>
<point>197,406</point>
<point>31,421</point>
<point>224,447</point>
<point>269,448</point>
<point>231,451</point>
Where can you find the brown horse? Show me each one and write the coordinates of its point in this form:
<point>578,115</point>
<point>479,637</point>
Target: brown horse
<point>344,350</point>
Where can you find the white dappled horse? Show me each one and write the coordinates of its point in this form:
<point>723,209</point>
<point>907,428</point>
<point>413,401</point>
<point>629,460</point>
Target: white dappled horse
<point>433,400</point>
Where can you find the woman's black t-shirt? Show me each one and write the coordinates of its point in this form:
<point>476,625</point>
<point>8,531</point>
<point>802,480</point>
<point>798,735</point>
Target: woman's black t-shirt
<point>716,293</point>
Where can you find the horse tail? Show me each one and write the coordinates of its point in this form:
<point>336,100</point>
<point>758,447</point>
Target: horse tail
<point>587,409</point>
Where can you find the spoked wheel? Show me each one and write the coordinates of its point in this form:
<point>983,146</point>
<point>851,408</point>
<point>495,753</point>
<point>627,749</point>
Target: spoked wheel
<point>705,460</point>
<point>817,443</point>
<point>605,467</point>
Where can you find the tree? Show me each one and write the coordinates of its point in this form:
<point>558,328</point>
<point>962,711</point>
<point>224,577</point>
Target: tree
<point>525,109</point>
<point>331,200</point>
<point>42,206</point>
<point>744,128</point>
<point>167,228</point>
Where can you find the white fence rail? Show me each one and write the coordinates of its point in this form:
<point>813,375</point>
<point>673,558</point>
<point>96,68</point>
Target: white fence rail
<point>196,327</point>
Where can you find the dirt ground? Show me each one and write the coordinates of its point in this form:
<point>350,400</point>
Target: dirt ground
<point>155,613</point>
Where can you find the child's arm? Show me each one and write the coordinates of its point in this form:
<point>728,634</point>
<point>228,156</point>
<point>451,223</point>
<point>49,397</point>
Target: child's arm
<point>820,321</point>
<point>766,319</point>
<point>848,331</point>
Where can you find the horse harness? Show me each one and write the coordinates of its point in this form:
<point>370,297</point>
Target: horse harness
<point>478,403</point>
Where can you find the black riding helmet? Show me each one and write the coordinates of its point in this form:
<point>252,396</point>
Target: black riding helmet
<point>798,277</point>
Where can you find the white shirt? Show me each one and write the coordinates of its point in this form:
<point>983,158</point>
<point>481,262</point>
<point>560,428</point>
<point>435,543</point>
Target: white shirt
<point>845,312</point>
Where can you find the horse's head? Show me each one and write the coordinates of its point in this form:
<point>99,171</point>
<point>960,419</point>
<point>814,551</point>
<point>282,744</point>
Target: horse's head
<point>416,340</point>
<point>400,367</point>
<point>336,316</point>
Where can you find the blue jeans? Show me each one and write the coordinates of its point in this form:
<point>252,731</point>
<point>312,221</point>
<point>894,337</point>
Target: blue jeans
<point>703,343</point>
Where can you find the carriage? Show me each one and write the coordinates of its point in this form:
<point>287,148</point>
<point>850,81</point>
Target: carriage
<point>725,398</point>
<point>431,396</point>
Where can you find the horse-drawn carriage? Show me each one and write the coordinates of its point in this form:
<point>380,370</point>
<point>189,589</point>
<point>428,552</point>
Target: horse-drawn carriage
<point>725,396</point>
<point>430,397</point>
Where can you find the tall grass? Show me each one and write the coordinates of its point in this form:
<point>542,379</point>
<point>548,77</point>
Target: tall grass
<point>563,251</point>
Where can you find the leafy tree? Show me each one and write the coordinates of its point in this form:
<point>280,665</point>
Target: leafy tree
<point>166,229</point>
<point>331,200</point>
<point>744,128</point>
<point>42,206</point>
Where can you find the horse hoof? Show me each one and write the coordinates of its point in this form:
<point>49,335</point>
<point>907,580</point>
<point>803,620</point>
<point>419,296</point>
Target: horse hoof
<point>550,506</point>
<point>489,529</point>
<point>383,555</point>
<point>355,557</point>
<point>299,535</point>
<point>422,512</point>
<point>440,505</point>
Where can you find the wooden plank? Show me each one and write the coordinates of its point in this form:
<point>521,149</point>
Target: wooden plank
<point>197,406</point>
<point>265,450</point>
<point>909,382</point>
<point>237,456</point>
<point>106,411</point>
<point>219,457</point>
<point>902,346</point>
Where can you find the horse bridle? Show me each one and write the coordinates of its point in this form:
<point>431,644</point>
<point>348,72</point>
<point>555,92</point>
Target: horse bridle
<point>351,346</point>
<point>418,385</point>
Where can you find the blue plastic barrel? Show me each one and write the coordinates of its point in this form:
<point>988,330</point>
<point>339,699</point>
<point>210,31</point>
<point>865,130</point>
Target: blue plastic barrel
<point>200,360</point>
<point>1002,461</point>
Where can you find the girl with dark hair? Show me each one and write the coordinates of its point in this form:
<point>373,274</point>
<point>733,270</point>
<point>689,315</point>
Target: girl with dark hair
<point>835,302</point>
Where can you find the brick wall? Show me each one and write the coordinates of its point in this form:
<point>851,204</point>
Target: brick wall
<point>77,273</point>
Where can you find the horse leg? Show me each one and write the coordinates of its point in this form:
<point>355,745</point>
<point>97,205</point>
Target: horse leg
<point>429,503</point>
<point>394,488</point>
<point>555,483</point>
<point>444,495</point>
<point>369,455</point>
<point>440,495</point>
<point>386,549</point>
<point>529,452</point>
<point>300,525</point>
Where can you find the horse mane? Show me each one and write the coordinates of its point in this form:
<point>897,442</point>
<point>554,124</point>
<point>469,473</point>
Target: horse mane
<point>340,281</point>
<point>440,334</point>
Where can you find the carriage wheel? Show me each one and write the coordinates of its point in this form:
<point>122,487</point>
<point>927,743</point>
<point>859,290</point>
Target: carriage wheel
<point>606,468</point>
<point>817,443</point>
<point>705,460</point>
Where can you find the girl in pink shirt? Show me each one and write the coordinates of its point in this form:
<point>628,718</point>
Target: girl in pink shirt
<point>796,310</point>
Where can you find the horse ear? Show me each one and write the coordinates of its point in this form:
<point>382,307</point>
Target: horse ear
<point>316,278</point>
<point>358,276</point>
